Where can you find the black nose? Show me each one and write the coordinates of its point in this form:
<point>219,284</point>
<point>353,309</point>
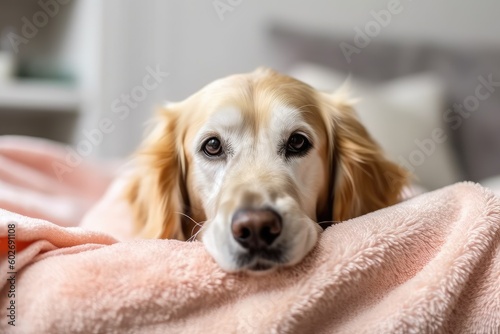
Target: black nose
<point>255,229</point>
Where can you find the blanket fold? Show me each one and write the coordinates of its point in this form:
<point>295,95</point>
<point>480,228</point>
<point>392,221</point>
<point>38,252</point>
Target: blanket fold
<point>430,264</point>
<point>38,180</point>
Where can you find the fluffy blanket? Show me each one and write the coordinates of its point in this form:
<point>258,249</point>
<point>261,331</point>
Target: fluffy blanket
<point>428,265</point>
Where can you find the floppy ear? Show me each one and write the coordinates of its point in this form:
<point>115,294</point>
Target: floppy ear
<point>364,180</point>
<point>155,188</point>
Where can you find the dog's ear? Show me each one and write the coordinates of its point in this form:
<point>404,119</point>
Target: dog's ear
<point>363,179</point>
<point>155,192</point>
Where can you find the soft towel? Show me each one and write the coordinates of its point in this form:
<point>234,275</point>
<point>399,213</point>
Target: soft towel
<point>430,264</point>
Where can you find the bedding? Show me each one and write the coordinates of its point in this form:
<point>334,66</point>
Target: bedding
<point>429,264</point>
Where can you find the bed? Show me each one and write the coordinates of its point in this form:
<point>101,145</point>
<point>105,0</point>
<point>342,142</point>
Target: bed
<point>430,264</point>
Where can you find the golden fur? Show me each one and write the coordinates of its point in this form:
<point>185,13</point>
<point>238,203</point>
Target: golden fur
<point>359,178</point>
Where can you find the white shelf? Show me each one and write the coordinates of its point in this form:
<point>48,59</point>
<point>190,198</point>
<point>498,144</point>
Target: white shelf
<point>34,95</point>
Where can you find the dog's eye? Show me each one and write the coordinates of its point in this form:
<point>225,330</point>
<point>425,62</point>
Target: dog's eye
<point>297,143</point>
<point>212,147</point>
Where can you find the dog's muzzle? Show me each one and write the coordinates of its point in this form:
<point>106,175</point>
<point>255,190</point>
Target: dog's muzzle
<point>256,231</point>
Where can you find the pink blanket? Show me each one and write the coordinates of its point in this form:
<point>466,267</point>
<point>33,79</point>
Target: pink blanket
<point>428,265</point>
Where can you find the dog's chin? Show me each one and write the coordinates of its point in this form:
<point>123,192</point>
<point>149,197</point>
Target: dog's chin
<point>257,266</point>
<point>253,265</point>
<point>261,268</point>
<point>246,263</point>
<point>260,264</point>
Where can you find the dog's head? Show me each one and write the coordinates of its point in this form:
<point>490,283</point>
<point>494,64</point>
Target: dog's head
<point>258,159</point>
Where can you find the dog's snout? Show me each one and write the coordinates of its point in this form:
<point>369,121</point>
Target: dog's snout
<point>256,229</point>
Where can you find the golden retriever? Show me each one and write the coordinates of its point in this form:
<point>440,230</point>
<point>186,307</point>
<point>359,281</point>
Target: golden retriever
<point>254,161</point>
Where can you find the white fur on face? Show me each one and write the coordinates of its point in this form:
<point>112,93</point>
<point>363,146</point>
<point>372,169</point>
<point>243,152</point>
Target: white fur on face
<point>254,174</point>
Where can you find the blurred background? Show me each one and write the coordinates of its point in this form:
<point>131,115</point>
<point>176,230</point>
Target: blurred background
<point>90,73</point>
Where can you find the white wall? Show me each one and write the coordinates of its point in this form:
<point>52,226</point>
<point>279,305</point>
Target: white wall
<point>205,47</point>
<point>132,36</point>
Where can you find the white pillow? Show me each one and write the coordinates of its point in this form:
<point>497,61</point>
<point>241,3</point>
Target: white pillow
<point>403,116</point>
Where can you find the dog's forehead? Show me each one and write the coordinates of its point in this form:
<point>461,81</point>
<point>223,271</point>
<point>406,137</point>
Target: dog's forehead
<point>262,101</point>
<point>277,116</point>
<point>229,116</point>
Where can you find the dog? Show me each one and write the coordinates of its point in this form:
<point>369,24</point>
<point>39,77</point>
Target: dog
<point>252,162</point>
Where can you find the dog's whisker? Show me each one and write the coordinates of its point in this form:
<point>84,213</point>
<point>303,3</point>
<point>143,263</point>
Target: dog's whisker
<point>191,219</point>
<point>194,236</point>
<point>196,224</point>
